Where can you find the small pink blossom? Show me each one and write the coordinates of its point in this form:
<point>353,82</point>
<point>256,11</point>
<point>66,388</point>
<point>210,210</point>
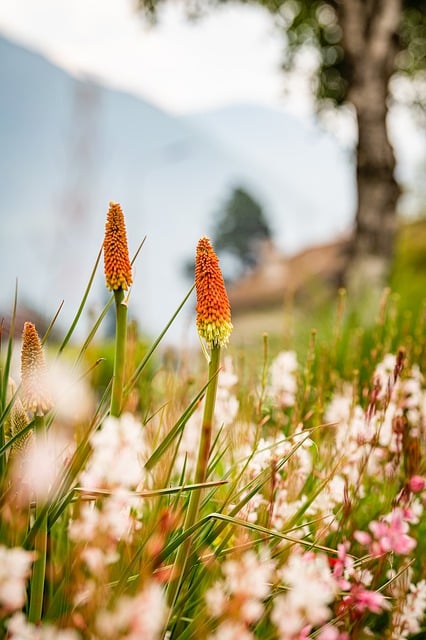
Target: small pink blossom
<point>416,484</point>
<point>362,537</point>
<point>390,534</point>
<point>330,632</point>
<point>362,600</point>
<point>343,566</point>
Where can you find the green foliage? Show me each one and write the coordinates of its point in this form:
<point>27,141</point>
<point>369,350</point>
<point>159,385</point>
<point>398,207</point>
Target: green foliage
<point>408,277</point>
<point>412,59</point>
<point>318,24</point>
<point>239,230</point>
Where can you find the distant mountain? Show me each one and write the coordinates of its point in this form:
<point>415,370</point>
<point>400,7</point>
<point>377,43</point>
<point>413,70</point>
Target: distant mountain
<point>69,146</point>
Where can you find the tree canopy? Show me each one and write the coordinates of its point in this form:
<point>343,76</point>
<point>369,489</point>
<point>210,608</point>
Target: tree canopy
<point>360,45</point>
<point>239,228</point>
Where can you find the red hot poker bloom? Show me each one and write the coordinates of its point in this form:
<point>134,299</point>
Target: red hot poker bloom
<point>117,267</point>
<point>35,397</point>
<point>213,309</point>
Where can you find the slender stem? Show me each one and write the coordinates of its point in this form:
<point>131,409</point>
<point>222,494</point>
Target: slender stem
<point>200,476</point>
<point>40,547</point>
<point>206,429</point>
<point>120,352</point>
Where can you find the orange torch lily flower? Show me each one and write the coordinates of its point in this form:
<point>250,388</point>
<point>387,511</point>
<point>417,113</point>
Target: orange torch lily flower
<point>213,309</point>
<point>35,397</point>
<point>117,267</point>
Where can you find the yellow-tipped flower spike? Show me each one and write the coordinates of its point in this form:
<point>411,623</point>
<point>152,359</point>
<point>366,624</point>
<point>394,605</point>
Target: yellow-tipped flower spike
<point>117,267</point>
<point>213,309</point>
<point>35,397</point>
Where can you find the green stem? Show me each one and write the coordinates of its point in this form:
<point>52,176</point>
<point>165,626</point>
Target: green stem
<point>40,547</point>
<point>120,352</point>
<point>200,477</point>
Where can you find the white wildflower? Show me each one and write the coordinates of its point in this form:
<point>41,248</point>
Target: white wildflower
<point>113,520</point>
<point>249,575</point>
<point>383,375</point>
<point>289,461</point>
<point>284,509</point>
<point>231,630</point>
<point>266,453</point>
<point>246,580</point>
<point>270,452</point>
<point>216,599</point>
<point>250,510</point>
<point>71,394</point>
<point>360,444</point>
<point>311,589</point>
<point>15,566</point>
<point>119,449</point>
<point>142,616</point>
<point>37,466</point>
<point>20,629</point>
<point>332,494</point>
<point>283,383</point>
<point>407,619</point>
<point>288,620</point>
<point>339,408</point>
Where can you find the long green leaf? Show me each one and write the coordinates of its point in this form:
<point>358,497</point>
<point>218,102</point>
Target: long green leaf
<point>128,388</point>
<point>174,432</point>
<point>82,304</point>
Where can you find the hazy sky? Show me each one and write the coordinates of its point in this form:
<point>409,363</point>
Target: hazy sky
<point>233,55</point>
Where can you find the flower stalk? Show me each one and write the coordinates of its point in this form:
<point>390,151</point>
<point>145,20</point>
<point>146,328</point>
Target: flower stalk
<point>120,352</point>
<point>214,327</point>
<point>36,402</point>
<point>118,277</point>
<point>40,547</point>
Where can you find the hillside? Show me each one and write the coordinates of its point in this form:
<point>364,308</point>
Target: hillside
<point>71,145</point>
<point>288,296</point>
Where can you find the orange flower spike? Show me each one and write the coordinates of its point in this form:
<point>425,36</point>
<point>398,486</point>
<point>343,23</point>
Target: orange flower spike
<point>213,309</point>
<point>35,397</point>
<point>117,267</point>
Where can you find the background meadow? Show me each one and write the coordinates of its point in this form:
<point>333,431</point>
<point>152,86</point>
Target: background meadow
<point>309,518</point>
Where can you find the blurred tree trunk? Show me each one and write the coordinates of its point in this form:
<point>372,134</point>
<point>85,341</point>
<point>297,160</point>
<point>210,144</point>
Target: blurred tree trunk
<point>370,41</point>
<point>358,54</point>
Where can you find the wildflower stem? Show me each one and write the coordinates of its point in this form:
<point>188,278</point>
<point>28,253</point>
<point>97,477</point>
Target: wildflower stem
<point>40,547</point>
<point>120,351</point>
<point>206,429</point>
<point>200,475</point>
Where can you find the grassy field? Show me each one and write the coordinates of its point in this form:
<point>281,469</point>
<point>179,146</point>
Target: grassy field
<point>274,489</point>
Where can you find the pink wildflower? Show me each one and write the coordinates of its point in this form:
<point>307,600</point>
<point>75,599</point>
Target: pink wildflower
<point>343,566</point>
<point>416,484</point>
<point>390,535</point>
<point>330,632</point>
<point>362,537</point>
<point>361,599</point>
